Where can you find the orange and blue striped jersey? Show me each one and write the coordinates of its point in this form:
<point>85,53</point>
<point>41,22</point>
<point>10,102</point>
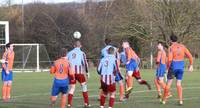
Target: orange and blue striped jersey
<point>8,56</point>
<point>130,54</point>
<point>161,57</point>
<point>177,52</point>
<point>61,69</point>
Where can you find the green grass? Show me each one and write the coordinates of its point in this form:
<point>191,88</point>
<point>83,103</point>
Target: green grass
<point>32,90</point>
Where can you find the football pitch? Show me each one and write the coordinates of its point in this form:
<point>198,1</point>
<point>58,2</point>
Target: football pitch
<point>32,90</point>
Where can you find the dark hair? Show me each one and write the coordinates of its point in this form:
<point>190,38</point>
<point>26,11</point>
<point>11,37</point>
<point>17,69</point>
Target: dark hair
<point>77,43</point>
<point>125,40</point>
<point>173,38</point>
<point>111,50</point>
<point>62,52</point>
<point>107,41</point>
<point>162,43</point>
<point>8,44</point>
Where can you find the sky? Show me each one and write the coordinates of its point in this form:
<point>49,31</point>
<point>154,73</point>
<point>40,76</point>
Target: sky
<point>46,1</point>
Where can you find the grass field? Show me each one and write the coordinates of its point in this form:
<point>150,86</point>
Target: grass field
<point>32,90</point>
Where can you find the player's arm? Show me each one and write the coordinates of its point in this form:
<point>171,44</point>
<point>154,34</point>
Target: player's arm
<point>52,69</point>
<point>85,62</point>
<point>189,55</point>
<point>5,64</point>
<point>128,55</point>
<point>71,72</point>
<point>158,58</point>
<point>170,57</point>
<point>99,69</point>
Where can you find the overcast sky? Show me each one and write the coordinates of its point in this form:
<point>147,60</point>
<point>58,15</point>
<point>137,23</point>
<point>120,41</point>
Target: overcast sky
<point>45,1</point>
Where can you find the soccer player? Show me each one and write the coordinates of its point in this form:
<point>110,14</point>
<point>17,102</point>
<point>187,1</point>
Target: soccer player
<point>132,68</point>
<point>119,78</point>
<point>176,54</point>
<point>161,68</point>
<point>107,69</point>
<point>62,72</point>
<point>7,74</point>
<point>78,61</point>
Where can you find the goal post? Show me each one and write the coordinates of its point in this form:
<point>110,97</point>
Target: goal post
<point>4,32</point>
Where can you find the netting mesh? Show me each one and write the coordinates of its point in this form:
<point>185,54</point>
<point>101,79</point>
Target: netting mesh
<point>2,34</point>
<point>28,57</point>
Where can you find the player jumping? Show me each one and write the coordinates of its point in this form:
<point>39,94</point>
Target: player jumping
<point>119,78</point>
<point>176,54</point>
<point>108,69</point>
<point>78,61</point>
<point>62,72</point>
<point>132,68</point>
<point>7,74</point>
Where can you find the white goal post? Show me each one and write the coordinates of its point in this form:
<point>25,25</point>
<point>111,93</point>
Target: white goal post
<point>6,31</point>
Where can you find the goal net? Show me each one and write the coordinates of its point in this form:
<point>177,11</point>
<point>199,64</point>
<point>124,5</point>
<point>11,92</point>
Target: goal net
<point>30,57</point>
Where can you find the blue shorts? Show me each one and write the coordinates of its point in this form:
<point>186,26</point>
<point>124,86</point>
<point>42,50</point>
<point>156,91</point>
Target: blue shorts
<point>118,77</point>
<point>132,66</point>
<point>176,70</point>
<point>6,77</point>
<point>60,86</point>
<point>178,73</point>
<point>160,71</point>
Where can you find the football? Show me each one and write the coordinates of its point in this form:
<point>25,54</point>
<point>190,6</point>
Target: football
<point>77,35</point>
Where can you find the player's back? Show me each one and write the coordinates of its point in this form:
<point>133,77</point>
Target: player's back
<point>176,55</point>
<point>61,68</point>
<point>130,54</point>
<point>76,56</point>
<point>161,57</point>
<point>108,68</point>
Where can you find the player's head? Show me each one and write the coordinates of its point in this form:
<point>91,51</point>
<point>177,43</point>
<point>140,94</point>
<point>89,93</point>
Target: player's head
<point>111,50</point>
<point>173,38</point>
<point>9,46</point>
<point>62,52</point>
<point>107,41</point>
<point>77,44</point>
<point>125,44</point>
<point>160,45</point>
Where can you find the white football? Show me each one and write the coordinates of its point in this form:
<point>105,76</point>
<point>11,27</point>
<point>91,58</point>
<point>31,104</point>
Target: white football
<point>77,35</point>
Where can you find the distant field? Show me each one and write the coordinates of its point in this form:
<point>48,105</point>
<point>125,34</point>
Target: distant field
<point>32,90</point>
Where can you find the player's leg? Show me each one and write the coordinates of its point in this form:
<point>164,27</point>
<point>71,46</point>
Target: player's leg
<point>112,99</point>
<point>4,89</point>
<point>71,93</point>
<point>179,77</point>
<point>121,90</point>
<point>4,85</point>
<point>129,82</point>
<point>119,79</point>
<point>179,90</point>
<point>137,76</point>
<point>82,80</point>
<point>85,93</point>
<point>103,95</point>
<point>103,99</point>
<point>130,68</point>
<point>156,81</point>
<point>63,100</point>
<point>54,93</point>
<point>64,90</point>
<point>8,90</point>
<point>167,90</point>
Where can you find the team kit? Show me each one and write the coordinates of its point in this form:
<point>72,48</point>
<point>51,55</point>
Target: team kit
<point>72,67</point>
